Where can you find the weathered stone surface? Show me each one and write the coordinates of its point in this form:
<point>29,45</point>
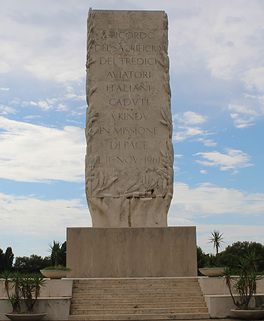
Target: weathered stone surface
<point>131,252</point>
<point>129,161</point>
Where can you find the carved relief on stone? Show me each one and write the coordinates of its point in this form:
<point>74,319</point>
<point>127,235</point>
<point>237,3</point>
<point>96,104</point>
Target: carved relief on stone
<point>129,160</point>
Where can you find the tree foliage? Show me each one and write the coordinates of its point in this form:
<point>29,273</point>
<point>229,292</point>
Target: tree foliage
<point>231,256</point>
<point>22,290</point>
<point>1,260</point>
<point>246,283</point>
<point>206,260</point>
<point>58,253</point>
<point>31,264</point>
<point>6,259</point>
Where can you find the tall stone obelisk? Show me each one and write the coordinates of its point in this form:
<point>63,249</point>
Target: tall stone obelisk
<point>129,160</point>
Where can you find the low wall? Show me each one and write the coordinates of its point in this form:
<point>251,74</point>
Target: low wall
<point>55,299</point>
<point>219,306</point>
<point>217,286</point>
<point>218,299</point>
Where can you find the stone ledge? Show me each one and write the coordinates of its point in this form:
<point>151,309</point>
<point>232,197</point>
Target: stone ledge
<point>46,298</point>
<point>56,308</point>
<point>219,306</point>
<point>52,288</point>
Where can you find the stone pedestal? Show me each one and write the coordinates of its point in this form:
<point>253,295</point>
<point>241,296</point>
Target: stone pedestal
<point>131,252</point>
<point>129,155</point>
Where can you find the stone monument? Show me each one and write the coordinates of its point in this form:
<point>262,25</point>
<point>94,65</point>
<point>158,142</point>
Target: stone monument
<point>129,160</point>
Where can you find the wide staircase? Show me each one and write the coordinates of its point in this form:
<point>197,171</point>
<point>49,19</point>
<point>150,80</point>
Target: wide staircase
<point>137,299</point>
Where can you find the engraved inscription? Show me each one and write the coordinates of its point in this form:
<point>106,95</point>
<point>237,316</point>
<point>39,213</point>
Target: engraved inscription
<point>128,88</point>
<point>133,115</point>
<point>128,127</point>
<point>128,61</point>
<point>129,74</point>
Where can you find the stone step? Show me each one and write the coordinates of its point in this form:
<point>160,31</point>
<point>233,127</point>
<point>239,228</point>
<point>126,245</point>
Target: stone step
<point>135,306</point>
<point>135,292</point>
<point>134,285</point>
<point>137,280</point>
<point>139,296</point>
<point>101,288</point>
<point>137,299</point>
<point>146,288</point>
<point>156,303</point>
<point>152,280</point>
<point>135,317</point>
<point>116,296</point>
<point>146,300</point>
<point>138,304</point>
<point>125,288</point>
<point>106,305</point>
<point>158,310</point>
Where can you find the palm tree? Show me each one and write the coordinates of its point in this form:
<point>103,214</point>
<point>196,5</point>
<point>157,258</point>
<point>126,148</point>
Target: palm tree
<point>217,239</point>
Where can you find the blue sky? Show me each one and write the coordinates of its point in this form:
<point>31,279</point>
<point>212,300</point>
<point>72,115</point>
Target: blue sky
<point>216,54</point>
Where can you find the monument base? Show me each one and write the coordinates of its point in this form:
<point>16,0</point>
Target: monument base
<point>131,252</point>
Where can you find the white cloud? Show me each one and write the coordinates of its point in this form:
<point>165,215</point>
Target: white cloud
<point>4,67</point>
<point>178,156</point>
<point>187,132</point>
<point>241,109</point>
<point>55,44</point>
<point>30,117</point>
<point>37,153</point>
<point>52,66</point>
<point>62,102</point>
<point>48,104</point>
<point>240,121</point>
<point>33,216</point>
<point>186,127</point>
<point>228,44</point>
<point>206,142</point>
<point>207,200</point>
<point>42,104</point>
<point>5,110</point>
<point>4,89</point>
<point>232,160</point>
<point>50,41</point>
<point>245,114</point>
<point>191,118</point>
<point>39,220</point>
<point>254,78</point>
